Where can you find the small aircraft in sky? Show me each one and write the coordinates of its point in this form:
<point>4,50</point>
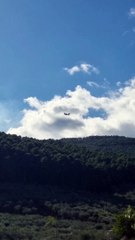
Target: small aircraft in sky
<point>67,114</point>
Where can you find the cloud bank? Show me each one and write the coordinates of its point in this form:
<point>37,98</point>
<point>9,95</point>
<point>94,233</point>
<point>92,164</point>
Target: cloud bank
<point>84,67</point>
<point>46,119</point>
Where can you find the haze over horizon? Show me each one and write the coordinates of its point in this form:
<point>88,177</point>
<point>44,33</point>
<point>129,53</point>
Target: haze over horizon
<point>73,57</point>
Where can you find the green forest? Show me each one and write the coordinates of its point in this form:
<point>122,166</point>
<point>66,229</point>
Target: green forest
<point>93,163</point>
<point>64,189</point>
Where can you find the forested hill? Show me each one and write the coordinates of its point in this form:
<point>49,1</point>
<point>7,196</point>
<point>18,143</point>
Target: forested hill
<point>92,163</point>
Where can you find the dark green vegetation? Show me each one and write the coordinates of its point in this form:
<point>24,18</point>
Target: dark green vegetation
<point>93,163</point>
<point>64,189</point>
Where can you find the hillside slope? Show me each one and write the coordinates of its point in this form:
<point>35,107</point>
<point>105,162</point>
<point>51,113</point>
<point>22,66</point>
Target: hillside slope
<point>93,163</point>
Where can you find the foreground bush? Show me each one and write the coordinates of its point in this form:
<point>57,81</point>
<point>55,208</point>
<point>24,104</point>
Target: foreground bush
<point>125,224</point>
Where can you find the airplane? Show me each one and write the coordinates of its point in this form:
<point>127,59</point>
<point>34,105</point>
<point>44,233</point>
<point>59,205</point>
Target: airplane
<point>67,114</point>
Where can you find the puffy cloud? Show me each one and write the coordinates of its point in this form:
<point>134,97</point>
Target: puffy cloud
<point>46,119</point>
<point>72,70</point>
<point>132,12</point>
<point>84,67</point>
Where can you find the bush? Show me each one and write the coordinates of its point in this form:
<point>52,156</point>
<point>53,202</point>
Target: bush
<point>125,224</point>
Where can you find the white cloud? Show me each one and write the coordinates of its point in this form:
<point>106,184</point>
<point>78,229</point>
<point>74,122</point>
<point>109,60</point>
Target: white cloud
<point>72,70</point>
<point>84,67</point>
<point>46,119</point>
<point>93,84</point>
<point>132,12</point>
<point>104,84</point>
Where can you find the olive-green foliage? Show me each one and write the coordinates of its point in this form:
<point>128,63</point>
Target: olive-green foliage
<point>18,227</point>
<point>125,223</point>
<point>60,214</point>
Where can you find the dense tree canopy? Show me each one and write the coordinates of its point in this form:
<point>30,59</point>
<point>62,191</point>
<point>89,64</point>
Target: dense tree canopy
<point>92,163</point>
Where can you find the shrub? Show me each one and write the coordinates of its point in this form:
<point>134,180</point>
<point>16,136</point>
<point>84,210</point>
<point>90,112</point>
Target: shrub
<point>125,223</point>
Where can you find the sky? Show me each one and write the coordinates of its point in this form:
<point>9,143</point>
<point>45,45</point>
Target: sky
<point>59,57</point>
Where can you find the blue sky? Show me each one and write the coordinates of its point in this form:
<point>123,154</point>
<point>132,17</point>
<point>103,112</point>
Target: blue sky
<point>42,43</point>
